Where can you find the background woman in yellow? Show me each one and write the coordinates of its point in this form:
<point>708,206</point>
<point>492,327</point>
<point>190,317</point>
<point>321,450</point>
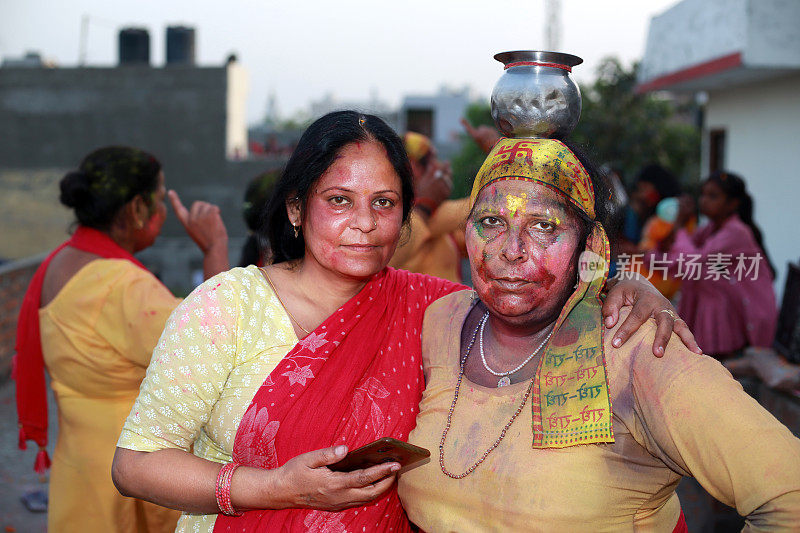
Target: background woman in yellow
<point>539,420</point>
<point>435,244</point>
<point>92,316</point>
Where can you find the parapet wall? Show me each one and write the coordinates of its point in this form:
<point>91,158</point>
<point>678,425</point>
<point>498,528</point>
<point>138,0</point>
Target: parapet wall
<point>14,279</point>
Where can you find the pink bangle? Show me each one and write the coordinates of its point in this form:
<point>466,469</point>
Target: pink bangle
<point>223,489</point>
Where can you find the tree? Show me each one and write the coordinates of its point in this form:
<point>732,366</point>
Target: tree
<point>627,130</point>
<point>469,159</point>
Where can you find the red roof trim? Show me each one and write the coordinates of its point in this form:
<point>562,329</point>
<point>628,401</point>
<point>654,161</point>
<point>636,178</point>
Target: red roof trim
<point>714,66</point>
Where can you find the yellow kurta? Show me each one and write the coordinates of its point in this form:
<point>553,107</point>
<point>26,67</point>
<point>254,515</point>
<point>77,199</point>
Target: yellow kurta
<point>680,415</point>
<point>222,342</point>
<point>98,334</point>
<point>435,247</point>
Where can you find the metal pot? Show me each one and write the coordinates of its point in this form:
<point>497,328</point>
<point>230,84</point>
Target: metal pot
<point>536,96</point>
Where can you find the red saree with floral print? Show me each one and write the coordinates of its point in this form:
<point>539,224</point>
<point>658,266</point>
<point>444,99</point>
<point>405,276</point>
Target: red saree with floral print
<point>356,378</point>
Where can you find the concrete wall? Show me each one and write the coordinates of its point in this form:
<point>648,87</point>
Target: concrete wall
<point>773,36</point>
<point>762,124</point>
<point>692,32</point>
<point>53,117</point>
<point>188,117</point>
<point>766,32</point>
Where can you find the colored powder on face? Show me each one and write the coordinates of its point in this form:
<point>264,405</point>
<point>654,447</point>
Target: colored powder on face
<point>516,203</point>
<point>479,229</point>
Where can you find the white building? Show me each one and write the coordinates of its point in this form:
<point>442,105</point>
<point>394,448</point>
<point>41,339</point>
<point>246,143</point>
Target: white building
<point>437,116</point>
<point>742,58</point>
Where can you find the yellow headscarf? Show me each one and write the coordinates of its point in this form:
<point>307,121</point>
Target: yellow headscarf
<point>417,145</point>
<point>570,400</point>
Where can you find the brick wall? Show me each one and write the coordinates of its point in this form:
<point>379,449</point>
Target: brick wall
<point>14,279</point>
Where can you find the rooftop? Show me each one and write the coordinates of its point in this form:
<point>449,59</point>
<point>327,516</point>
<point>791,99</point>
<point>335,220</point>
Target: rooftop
<point>699,45</point>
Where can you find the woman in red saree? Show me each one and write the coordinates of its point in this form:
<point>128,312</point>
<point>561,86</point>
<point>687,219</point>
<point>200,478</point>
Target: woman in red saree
<point>283,369</point>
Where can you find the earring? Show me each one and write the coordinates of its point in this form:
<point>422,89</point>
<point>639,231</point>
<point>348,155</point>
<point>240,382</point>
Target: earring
<point>473,297</point>
<point>296,233</point>
<point>139,224</point>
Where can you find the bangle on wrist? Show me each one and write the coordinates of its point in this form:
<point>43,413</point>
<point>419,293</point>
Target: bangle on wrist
<point>223,489</point>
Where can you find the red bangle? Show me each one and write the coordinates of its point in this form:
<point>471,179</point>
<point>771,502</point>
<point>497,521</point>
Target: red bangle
<point>223,489</point>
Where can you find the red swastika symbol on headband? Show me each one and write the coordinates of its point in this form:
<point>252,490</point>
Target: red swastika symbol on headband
<point>508,153</point>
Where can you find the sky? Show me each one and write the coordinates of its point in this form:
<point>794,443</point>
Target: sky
<point>301,51</point>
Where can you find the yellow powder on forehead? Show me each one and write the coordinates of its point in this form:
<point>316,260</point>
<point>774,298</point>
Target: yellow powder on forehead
<point>546,161</point>
<point>516,203</point>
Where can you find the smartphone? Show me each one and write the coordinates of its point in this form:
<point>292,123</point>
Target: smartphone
<point>383,450</point>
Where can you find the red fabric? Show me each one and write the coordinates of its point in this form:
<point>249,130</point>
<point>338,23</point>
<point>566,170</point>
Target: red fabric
<point>356,378</point>
<point>28,361</point>
<point>681,526</point>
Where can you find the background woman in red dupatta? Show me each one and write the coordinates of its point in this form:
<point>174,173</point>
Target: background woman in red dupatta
<point>92,316</point>
<point>282,369</point>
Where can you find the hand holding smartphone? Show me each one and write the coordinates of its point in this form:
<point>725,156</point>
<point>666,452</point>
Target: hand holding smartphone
<point>383,450</point>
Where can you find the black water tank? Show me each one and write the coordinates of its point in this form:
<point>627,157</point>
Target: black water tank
<point>134,46</point>
<point>180,45</point>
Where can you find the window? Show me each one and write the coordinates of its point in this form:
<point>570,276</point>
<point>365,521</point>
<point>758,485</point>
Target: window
<point>716,150</point>
<point>420,121</point>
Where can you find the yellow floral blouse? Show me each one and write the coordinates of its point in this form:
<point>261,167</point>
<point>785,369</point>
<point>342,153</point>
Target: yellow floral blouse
<point>217,349</point>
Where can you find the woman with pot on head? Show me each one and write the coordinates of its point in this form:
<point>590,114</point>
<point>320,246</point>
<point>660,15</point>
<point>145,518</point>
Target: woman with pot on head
<point>725,270</point>
<point>535,419</point>
<point>91,318</point>
<point>276,372</point>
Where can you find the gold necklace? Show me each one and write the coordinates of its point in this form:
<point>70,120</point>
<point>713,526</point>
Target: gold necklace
<point>274,290</point>
<point>453,408</point>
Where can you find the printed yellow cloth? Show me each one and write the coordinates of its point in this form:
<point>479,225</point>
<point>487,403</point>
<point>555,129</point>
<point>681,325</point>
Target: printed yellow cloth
<point>570,399</point>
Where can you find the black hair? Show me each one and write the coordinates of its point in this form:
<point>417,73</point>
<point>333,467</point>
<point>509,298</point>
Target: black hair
<point>664,181</point>
<point>105,181</point>
<point>256,197</point>
<point>318,147</point>
<point>735,188</point>
<point>604,201</point>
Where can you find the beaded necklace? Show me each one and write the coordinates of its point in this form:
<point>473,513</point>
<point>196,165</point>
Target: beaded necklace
<point>453,407</point>
<point>505,377</point>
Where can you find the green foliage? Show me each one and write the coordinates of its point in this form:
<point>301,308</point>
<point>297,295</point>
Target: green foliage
<point>619,127</point>
<point>469,159</point>
<point>628,130</point>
